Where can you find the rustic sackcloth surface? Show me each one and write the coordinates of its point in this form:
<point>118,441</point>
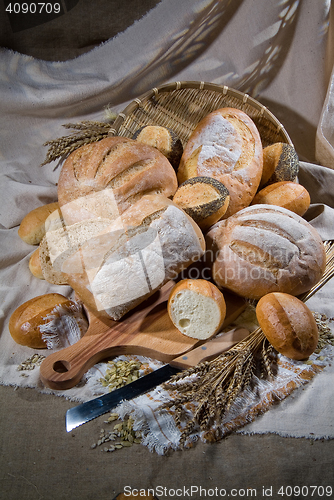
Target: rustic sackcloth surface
<point>275,51</point>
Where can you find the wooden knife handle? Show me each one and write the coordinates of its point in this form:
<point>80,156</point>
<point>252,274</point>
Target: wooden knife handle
<point>210,349</point>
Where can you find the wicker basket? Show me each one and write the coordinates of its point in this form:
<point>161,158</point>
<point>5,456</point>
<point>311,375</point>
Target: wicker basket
<point>181,105</point>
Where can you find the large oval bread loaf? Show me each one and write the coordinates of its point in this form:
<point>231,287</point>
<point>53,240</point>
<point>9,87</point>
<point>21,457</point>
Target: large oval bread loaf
<point>151,243</point>
<point>121,168</point>
<point>263,249</point>
<point>226,145</point>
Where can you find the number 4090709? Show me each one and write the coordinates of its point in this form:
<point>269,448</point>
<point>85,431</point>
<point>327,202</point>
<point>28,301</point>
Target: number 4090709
<point>33,8</point>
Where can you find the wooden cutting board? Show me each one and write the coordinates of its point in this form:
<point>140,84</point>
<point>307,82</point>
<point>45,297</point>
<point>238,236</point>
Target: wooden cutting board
<point>146,331</point>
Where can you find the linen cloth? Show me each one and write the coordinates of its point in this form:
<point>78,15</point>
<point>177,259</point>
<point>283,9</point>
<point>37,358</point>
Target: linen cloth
<point>277,52</point>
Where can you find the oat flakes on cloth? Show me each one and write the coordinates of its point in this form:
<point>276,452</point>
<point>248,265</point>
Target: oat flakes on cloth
<point>275,51</point>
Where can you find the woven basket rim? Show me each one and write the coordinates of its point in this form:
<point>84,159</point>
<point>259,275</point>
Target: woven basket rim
<point>244,98</point>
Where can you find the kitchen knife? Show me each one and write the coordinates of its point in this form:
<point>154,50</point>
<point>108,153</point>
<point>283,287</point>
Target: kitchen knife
<point>85,412</point>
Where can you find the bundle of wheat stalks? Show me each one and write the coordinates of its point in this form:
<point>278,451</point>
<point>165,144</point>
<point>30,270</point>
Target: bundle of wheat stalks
<point>218,383</point>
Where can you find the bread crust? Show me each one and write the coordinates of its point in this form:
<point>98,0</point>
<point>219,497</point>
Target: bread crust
<point>226,145</point>
<point>26,320</point>
<point>127,168</point>
<point>263,249</point>
<point>286,194</point>
<point>155,241</point>
<point>288,324</point>
<point>32,227</point>
<point>203,288</point>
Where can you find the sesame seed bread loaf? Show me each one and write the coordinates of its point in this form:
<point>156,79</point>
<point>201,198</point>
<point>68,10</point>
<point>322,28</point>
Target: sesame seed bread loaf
<point>280,163</point>
<point>162,138</point>
<point>153,241</point>
<point>288,324</point>
<point>263,249</point>
<point>203,198</point>
<point>197,308</point>
<point>125,168</point>
<point>226,145</point>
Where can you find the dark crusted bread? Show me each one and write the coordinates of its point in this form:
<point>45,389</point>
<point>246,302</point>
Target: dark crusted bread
<point>280,163</point>
<point>162,138</point>
<point>203,198</point>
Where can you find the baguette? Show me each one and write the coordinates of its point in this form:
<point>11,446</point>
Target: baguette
<point>226,145</point>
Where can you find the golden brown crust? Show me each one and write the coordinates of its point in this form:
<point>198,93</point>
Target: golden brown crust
<point>263,249</point>
<point>162,138</point>
<point>32,227</point>
<point>202,288</point>
<point>25,322</point>
<point>288,324</point>
<point>226,145</point>
<point>280,163</point>
<point>126,168</point>
<point>286,194</point>
<point>35,265</point>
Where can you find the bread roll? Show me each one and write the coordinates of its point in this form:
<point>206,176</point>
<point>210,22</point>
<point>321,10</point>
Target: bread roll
<point>114,272</point>
<point>226,145</point>
<point>288,324</point>
<point>122,168</point>
<point>286,194</point>
<point>280,163</point>
<point>197,308</point>
<point>203,198</point>
<point>26,320</point>
<point>162,138</point>
<point>263,249</point>
<point>32,227</point>
<point>35,265</point>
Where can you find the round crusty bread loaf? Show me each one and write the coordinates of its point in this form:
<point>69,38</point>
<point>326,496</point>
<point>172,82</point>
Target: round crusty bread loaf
<point>197,308</point>
<point>26,320</point>
<point>114,272</point>
<point>286,194</point>
<point>263,249</point>
<point>203,198</point>
<point>226,145</point>
<point>32,227</point>
<point>122,168</point>
<point>288,324</point>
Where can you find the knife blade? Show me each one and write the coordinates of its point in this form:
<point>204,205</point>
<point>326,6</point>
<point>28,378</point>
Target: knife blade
<point>96,407</point>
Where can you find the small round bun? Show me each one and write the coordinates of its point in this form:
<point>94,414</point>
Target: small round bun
<point>32,227</point>
<point>280,163</point>
<point>197,308</point>
<point>203,198</point>
<point>286,194</point>
<point>26,320</point>
<point>162,138</point>
<point>35,265</point>
<point>288,324</point>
